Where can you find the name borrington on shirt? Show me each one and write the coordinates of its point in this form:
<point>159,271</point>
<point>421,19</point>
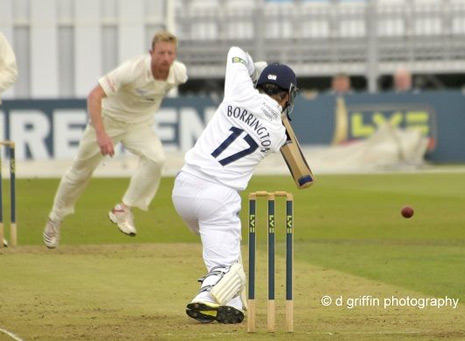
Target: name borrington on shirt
<point>253,122</point>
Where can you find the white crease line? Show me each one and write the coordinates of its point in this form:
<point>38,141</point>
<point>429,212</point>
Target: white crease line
<point>13,336</point>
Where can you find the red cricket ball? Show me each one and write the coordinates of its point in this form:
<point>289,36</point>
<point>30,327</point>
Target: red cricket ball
<point>407,212</point>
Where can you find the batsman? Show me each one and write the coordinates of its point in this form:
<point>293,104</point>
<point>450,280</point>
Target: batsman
<point>246,128</point>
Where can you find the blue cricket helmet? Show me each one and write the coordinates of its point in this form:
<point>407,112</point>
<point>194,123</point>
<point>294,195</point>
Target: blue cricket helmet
<point>282,76</point>
<point>279,74</point>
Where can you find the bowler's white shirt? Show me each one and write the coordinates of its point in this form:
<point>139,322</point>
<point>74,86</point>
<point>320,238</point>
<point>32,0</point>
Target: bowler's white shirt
<point>133,95</point>
<point>245,129</point>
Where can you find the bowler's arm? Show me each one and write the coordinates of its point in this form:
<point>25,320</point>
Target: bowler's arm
<point>94,108</point>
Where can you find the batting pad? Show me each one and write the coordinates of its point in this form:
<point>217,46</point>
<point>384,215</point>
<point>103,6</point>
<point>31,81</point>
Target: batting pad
<point>230,285</point>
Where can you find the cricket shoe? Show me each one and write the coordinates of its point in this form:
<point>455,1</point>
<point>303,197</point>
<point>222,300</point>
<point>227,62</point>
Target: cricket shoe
<point>122,217</point>
<point>206,312</point>
<point>51,233</point>
<point>229,315</point>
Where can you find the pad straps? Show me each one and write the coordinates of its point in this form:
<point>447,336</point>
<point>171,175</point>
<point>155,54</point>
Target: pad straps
<point>219,270</point>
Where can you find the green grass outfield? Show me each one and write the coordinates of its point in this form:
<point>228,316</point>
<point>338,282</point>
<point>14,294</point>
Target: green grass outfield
<point>351,244</point>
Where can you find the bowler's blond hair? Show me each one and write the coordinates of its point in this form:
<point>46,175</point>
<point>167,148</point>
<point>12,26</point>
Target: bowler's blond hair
<point>164,36</point>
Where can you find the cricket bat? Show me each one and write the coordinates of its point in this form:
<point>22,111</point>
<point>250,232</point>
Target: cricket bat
<point>295,159</point>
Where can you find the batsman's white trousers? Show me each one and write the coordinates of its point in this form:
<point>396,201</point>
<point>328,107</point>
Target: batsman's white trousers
<point>212,211</point>
<point>139,139</point>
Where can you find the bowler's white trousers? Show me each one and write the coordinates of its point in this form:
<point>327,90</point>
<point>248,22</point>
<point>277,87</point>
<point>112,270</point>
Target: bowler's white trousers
<point>139,139</point>
<point>211,210</point>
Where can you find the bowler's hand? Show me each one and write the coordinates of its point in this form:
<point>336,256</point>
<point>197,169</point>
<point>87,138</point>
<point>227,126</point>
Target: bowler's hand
<point>105,144</point>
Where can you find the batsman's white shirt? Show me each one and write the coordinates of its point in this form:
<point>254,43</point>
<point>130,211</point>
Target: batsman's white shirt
<point>133,95</point>
<point>244,130</point>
